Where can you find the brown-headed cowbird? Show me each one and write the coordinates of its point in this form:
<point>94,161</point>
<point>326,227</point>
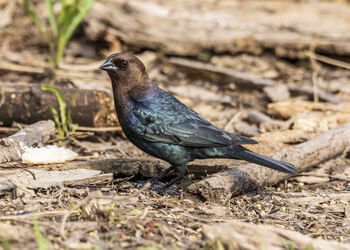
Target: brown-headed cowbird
<point>162,126</point>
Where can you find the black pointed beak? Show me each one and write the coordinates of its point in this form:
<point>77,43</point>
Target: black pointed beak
<point>109,66</point>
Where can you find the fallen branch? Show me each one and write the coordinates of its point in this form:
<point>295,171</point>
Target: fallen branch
<point>238,235</point>
<point>11,148</point>
<point>28,104</point>
<point>226,75</point>
<point>249,176</point>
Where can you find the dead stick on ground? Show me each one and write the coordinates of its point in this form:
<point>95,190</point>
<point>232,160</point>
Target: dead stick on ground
<point>329,60</point>
<point>11,147</point>
<point>249,177</point>
<point>99,129</point>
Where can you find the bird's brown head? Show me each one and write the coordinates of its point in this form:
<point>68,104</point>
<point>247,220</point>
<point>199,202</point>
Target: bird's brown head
<point>124,68</point>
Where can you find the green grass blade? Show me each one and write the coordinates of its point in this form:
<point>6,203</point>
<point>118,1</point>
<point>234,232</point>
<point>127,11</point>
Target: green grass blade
<point>37,21</point>
<point>57,120</point>
<point>73,127</point>
<point>64,13</point>
<point>62,105</point>
<point>74,22</point>
<point>52,17</point>
<point>43,244</point>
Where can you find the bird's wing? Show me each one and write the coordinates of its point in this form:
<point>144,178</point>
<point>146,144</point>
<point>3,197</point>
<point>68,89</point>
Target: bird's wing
<point>170,121</point>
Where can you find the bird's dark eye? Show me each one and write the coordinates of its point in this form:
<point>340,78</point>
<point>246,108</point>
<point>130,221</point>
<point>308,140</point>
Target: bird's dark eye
<point>125,63</point>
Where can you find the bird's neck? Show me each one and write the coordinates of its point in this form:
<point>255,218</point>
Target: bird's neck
<point>144,91</point>
<point>125,98</point>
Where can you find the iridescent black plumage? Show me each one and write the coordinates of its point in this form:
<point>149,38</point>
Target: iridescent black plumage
<point>162,126</point>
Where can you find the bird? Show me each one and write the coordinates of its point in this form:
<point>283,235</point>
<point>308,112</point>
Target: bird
<point>162,126</point>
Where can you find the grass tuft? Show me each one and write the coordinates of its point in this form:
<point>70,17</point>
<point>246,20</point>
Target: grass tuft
<point>63,120</point>
<point>62,25</point>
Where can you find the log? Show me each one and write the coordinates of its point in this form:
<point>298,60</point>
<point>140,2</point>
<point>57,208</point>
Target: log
<point>12,147</point>
<point>28,104</point>
<point>238,235</point>
<point>189,28</point>
<point>248,177</point>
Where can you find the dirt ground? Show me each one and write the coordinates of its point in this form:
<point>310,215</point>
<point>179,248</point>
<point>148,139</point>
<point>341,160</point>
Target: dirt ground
<point>119,213</point>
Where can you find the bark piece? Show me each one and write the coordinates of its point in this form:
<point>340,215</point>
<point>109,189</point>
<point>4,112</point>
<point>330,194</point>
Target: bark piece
<point>248,177</point>
<point>28,104</point>
<point>238,235</point>
<point>12,147</point>
<point>192,27</point>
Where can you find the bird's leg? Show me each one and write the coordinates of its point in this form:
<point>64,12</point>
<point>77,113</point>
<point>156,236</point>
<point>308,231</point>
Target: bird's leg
<point>159,176</point>
<point>182,170</point>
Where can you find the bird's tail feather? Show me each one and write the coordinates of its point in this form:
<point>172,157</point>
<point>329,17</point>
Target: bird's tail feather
<point>247,155</point>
